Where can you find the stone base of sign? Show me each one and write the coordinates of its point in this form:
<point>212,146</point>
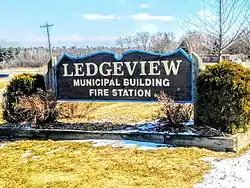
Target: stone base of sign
<point>227,144</point>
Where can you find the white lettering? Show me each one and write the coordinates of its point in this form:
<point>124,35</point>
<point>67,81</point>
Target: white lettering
<point>118,67</point>
<point>166,83</point>
<point>76,82</point>
<point>126,82</point>
<point>131,93</point>
<point>143,68</point>
<point>78,69</point>
<point>98,92</point>
<point>154,65</point>
<point>89,71</point>
<point>172,67</point>
<point>114,92</point>
<point>65,68</point>
<point>108,71</point>
<point>131,70</point>
<point>91,92</point>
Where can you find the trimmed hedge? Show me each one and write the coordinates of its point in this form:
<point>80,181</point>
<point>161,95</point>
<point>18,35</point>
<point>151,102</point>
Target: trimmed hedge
<point>223,97</point>
<point>27,100</point>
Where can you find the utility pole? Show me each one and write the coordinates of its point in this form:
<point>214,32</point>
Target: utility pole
<point>47,26</point>
<point>50,66</point>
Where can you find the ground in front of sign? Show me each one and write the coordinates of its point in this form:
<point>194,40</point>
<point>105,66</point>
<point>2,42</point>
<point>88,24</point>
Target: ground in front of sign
<point>94,164</point>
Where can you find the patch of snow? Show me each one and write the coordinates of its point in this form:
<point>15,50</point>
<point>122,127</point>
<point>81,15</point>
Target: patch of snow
<point>125,131</point>
<point>126,144</point>
<point>153,132</point>
<point>228,173</point>
<point>209,159</point>
<point>189,123</point>
<point>152,125</point>
<point>24,161</point>
<point>2,145</point>
<point>56,150</point>
<point>186,133</point>
<point>35,157</point>
<point>76,153</point>
<point>26,154</point>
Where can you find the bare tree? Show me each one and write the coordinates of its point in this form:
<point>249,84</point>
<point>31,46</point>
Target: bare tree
<point>120,42</point>
<point>142,40</point>
<point>125,42</point>
<point>163,42</point>
<point>197,42</point>
<point>242,48</point>
<point>227,21</point>
<point>160,42</point>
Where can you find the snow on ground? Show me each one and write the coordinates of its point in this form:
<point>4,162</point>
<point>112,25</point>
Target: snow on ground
<point>26,154</point>
<point>76,153</point>
<point>189,123</point>
<point>2,145</point>
<point>228,173</point>
<point>151,127</point>
<point>56,150</point>
<point>126,144</point>
<point>35,157</point>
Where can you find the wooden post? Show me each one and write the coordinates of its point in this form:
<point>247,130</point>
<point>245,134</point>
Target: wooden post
<point>50,74</point>
<point>197,65</point>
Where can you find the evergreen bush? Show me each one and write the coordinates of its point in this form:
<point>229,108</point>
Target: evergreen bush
<point>223,97</point>
<point>27,100</point>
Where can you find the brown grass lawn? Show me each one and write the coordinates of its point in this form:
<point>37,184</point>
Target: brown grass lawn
<point>120,113</point>
<point>3,85</point>
<point>70,164</point>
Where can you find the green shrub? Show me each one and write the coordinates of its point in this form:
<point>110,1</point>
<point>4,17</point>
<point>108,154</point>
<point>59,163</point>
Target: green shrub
<point>27,100</point>
<point>26,84</point>
<point>223,97</point>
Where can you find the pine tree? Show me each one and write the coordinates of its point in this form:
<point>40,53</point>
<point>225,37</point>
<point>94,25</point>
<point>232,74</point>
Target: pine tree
<point>7,53</point>
<point>184,46</point>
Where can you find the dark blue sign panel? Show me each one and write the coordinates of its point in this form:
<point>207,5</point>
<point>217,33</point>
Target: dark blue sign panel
<point>134,76</point>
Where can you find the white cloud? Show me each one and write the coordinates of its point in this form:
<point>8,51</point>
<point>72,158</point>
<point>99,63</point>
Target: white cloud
<point>206,14</point>
<point>138,17</point>
<point>98,16</point>
<point>151,28</point>
<point>145,16</point>
<point>144,5</point>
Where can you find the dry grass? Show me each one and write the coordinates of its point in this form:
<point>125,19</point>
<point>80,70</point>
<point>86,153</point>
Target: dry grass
<point>80,165</point>
<point>21,70</point>
<point>120,113</point>
<point>3,84</point>
<point>1,116</point>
